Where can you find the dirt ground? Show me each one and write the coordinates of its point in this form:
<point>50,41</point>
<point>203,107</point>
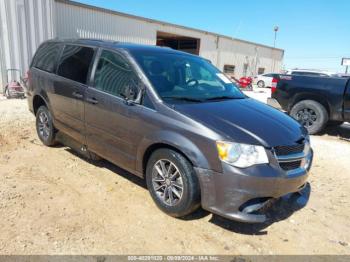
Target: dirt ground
<point>52,201</point>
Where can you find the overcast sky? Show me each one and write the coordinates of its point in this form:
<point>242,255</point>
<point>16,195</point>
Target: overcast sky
<point>313,33</point>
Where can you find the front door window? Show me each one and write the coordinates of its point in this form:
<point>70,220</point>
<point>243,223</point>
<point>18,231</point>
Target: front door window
<point>114,75</point>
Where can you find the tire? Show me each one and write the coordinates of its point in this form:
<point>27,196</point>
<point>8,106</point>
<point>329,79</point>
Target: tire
<point>44,126</point>
<point>261,84</point>
<point>335,123</point>
<point>311,114</point>
<point>7,93</point>
<point>186,200</point>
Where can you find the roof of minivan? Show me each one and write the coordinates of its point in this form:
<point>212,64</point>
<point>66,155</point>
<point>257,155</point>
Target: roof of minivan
<point>118,45</point>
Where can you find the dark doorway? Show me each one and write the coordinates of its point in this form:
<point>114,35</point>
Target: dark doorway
<point>179,42</point>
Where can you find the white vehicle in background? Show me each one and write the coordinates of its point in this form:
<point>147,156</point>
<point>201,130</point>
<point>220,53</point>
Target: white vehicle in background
<point>265,80</point>
<point>309,72</point>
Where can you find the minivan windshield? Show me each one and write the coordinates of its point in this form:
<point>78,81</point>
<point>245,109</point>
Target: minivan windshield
<point>186,77</point>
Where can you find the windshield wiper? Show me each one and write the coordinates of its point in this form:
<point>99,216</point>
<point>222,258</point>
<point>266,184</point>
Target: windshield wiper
<point>184,98</point>
<point>220,98</point>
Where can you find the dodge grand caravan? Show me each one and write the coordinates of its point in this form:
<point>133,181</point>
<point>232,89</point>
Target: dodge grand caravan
<point>172,118</point>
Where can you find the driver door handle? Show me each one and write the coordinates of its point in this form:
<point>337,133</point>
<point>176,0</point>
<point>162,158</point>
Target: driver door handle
<point>77,95</point>
<point>92,100</point>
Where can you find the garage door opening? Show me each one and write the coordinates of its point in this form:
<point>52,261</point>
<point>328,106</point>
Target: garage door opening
<point>179,42</point>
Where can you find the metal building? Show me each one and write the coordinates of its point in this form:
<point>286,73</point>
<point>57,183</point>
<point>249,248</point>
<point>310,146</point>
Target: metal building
<point>26,23</point>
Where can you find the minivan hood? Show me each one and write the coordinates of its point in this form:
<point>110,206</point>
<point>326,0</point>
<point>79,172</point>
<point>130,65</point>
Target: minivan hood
<point>245,121</point>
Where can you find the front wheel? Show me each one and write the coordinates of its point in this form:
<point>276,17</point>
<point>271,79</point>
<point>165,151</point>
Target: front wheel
<point>311,114</point>
<point>172,183</point>
<point>44,126</point>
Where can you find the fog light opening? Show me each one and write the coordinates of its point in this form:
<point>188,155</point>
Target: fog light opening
<point>255,205</point>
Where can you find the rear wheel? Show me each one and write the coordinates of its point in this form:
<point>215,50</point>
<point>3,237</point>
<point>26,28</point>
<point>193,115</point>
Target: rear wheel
<point>261,84</point>
<point>7,93</point>
<point>172,183</point>
<point>44,126</point>
<point>311,114</point>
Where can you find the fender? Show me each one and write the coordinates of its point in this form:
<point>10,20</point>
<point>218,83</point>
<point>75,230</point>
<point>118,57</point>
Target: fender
<point>309,96</point>
<point>173,139</point>
<point>43,95</point>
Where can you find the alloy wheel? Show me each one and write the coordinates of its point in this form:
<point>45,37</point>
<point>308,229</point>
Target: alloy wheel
<point>306,117</point>
<point>167,182</point>
<point>43,125</point>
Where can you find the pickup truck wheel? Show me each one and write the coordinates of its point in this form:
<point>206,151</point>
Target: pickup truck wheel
<point>261,84</point>
<point>311,114</point>
<point>44,126</point>
<point>172,183</point>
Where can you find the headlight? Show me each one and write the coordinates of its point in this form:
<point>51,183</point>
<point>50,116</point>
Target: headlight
<point>307,147</point>
<point>241,155</point>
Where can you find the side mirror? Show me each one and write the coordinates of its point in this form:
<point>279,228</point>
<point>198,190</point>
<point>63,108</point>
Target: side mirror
<point>131,94</point>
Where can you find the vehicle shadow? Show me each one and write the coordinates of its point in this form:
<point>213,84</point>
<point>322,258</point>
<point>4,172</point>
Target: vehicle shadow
<point>73,147</point>
<point>343,131</point>
<point>281,210</point>
<point>200,213</point>
<point>115,169</point>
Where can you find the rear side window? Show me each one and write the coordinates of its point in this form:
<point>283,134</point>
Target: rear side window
<point>307,73</point>
<point>271,75</point>
<point>114,74</point>
<point>46,57</point>
<point>75,62</point>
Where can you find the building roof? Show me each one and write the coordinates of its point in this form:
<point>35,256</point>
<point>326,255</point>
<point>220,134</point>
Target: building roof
<point>100,9</point>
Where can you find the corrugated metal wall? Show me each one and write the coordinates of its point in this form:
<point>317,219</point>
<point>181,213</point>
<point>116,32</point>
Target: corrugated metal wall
<point>76,20</point>
<point>25,24</point>
<point>73,22</point>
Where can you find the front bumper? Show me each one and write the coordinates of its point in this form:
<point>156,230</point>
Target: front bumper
<point>227,193</point>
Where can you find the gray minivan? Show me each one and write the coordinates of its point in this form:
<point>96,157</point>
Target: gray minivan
<point>172,118</point>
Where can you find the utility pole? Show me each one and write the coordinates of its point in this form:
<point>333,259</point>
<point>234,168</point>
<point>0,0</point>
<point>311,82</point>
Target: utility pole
<point>276,28</point>
<point>256,61</point>
<point>345,62</point>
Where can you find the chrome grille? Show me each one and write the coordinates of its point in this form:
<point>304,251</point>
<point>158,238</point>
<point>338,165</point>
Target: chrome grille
<point>287,166</point>
<point>288,150</point>
<point>290,157</point>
